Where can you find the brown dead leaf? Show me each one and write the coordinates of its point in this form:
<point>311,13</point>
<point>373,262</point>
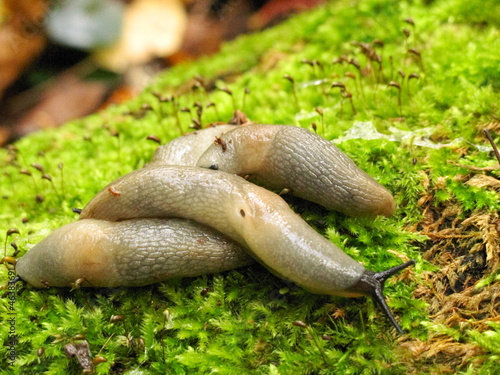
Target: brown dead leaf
<point>21,38</point>
<point>63,99</point>
<point>484,181</point>
<point>33,10</point>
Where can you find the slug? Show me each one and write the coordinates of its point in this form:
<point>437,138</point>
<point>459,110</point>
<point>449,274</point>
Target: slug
<point>134,252</point>
<point>312,168</point>
<point>256,218</point>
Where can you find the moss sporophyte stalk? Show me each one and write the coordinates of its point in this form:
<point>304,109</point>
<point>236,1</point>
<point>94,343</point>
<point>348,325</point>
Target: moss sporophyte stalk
<point>446,217</point>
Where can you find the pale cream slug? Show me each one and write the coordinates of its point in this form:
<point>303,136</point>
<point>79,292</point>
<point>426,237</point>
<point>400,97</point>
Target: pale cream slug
<point>128,253</point>
<point>257,218</point>
<point>312,168</point>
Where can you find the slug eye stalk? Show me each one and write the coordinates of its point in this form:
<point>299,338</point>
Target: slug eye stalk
<point>372,284</point>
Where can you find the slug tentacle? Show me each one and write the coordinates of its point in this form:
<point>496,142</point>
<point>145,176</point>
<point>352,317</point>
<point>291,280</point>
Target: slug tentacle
<point>372,284</point>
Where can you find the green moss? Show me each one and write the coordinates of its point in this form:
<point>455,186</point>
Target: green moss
<point>244,323</point>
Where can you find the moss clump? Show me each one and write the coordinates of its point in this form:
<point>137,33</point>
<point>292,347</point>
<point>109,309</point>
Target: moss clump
<point>434,84</point>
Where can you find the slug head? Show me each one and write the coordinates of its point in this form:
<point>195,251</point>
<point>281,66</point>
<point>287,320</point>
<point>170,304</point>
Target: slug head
<point>372,284</point>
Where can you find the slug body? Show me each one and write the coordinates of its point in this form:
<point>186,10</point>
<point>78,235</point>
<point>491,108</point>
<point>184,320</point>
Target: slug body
<point>309,166</point>
<point>129,253</point>
<point>256,218</point>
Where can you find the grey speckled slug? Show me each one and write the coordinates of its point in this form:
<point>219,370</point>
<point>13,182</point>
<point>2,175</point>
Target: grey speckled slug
<point>128,253</point>
<point>312,168</point>
<point>256,218</point>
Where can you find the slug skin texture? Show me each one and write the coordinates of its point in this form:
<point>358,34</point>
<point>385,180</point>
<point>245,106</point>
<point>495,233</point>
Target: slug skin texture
<point>128,253</point>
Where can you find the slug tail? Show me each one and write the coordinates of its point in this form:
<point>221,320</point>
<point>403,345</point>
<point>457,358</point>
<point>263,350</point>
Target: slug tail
<point>372,284</point>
